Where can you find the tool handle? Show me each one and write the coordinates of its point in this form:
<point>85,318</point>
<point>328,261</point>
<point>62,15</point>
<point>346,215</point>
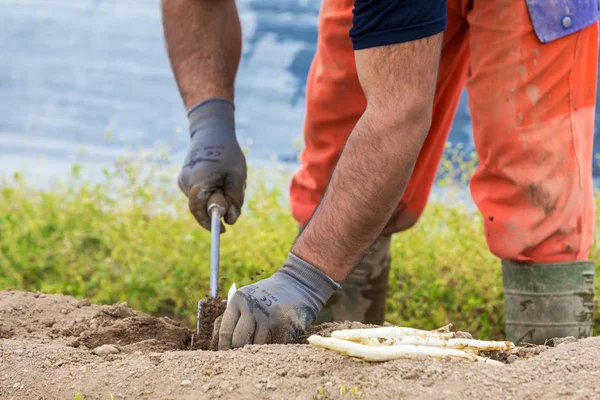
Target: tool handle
<point>217,199</point>
<point>217,206</point>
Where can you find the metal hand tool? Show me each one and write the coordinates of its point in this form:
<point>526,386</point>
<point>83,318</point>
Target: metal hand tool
<point>217,205</point>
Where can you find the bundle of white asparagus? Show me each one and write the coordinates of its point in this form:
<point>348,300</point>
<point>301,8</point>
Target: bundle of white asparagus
<point>391,343</point>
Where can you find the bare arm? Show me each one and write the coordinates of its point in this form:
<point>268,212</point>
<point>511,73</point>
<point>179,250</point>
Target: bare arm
<point>399,82</point>
<point>204,44</point>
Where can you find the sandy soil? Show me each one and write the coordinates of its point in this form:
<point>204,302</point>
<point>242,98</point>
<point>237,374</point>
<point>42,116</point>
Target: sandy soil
<point>53,346</point>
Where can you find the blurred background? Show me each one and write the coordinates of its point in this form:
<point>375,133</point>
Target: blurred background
<point>82,81</point>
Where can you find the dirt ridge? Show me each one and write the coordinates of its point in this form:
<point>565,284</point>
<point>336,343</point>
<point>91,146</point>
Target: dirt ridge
<point>54,346</point>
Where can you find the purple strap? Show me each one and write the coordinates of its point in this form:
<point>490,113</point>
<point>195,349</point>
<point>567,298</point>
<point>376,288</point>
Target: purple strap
<point>553,19</point>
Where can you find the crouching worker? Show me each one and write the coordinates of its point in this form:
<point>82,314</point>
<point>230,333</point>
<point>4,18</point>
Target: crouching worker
<point>381,97</point>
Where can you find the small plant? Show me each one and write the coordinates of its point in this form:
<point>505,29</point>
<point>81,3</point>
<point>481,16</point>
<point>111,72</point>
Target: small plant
<point>130,237</point>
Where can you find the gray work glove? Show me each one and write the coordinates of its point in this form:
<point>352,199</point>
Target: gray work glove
<point>277,309</point>
<point>214,161</point>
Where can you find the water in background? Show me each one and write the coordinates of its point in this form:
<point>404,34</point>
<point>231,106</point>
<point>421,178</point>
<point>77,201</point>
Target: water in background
<point>72,70</point>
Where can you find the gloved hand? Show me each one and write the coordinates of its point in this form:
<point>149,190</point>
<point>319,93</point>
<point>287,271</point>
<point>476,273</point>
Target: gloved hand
<point>214,161</point>
<point>276,309</point>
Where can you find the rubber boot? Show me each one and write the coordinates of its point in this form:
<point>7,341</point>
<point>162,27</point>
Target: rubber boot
<point>363,294</point>
<point>544,301</point>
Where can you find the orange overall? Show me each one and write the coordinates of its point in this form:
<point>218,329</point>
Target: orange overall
<point>532,107</point>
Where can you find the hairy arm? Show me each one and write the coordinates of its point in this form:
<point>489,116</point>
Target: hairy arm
<point>203,39</point>
<point>371,175</point>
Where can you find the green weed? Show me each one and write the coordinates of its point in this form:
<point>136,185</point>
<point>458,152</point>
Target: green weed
<point>131,238</point>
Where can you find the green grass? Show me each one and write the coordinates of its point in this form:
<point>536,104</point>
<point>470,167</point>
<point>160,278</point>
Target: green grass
<point>130,238</point>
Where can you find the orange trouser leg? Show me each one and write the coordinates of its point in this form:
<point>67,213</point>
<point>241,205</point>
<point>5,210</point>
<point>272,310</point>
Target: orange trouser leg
<point>533,113</point>
<point>335,102</point>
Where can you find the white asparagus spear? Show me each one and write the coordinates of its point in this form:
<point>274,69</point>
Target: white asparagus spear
<point>231,292</point>
<point>466,344</point>
<point>387,353</point>
<point>355,335</point>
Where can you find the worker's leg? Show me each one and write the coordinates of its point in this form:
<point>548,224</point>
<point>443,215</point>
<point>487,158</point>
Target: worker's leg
<point>335,102</point>
<point>362,295</point>
<point>533,110</point>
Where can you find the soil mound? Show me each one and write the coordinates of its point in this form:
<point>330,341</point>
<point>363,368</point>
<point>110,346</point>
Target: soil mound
<point>121,353</point>
<point>63,319</point>
<point>212,309</point>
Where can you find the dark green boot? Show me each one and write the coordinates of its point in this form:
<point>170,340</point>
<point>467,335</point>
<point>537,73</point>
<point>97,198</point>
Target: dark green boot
<point>545,301</point>
<point>362,295</point>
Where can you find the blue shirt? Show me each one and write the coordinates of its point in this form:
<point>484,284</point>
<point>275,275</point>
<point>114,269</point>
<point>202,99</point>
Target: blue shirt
<point>385,22</point>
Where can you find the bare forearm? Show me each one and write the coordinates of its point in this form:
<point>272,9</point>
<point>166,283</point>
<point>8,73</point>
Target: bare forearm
<point>203,39</point>
<point>365,188</point>
<point>378,159</point>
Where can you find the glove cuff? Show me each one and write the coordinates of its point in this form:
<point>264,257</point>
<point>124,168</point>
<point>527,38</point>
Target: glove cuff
<point>216,111</point>
<point>312,279</point>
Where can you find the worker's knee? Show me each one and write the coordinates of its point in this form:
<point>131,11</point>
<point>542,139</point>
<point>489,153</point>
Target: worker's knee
<point>536,196</point>
<point>558,229</point>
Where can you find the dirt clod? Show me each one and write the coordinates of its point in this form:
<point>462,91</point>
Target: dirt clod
<point>557,341</point>
<point>105,350</point>
<point>159,333</point>
<point>83,303</point>
<point>328,327</point>
<point>463,335</point>
<point>212,308</point>
<point>511,359</point>
<point>26,315</point>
